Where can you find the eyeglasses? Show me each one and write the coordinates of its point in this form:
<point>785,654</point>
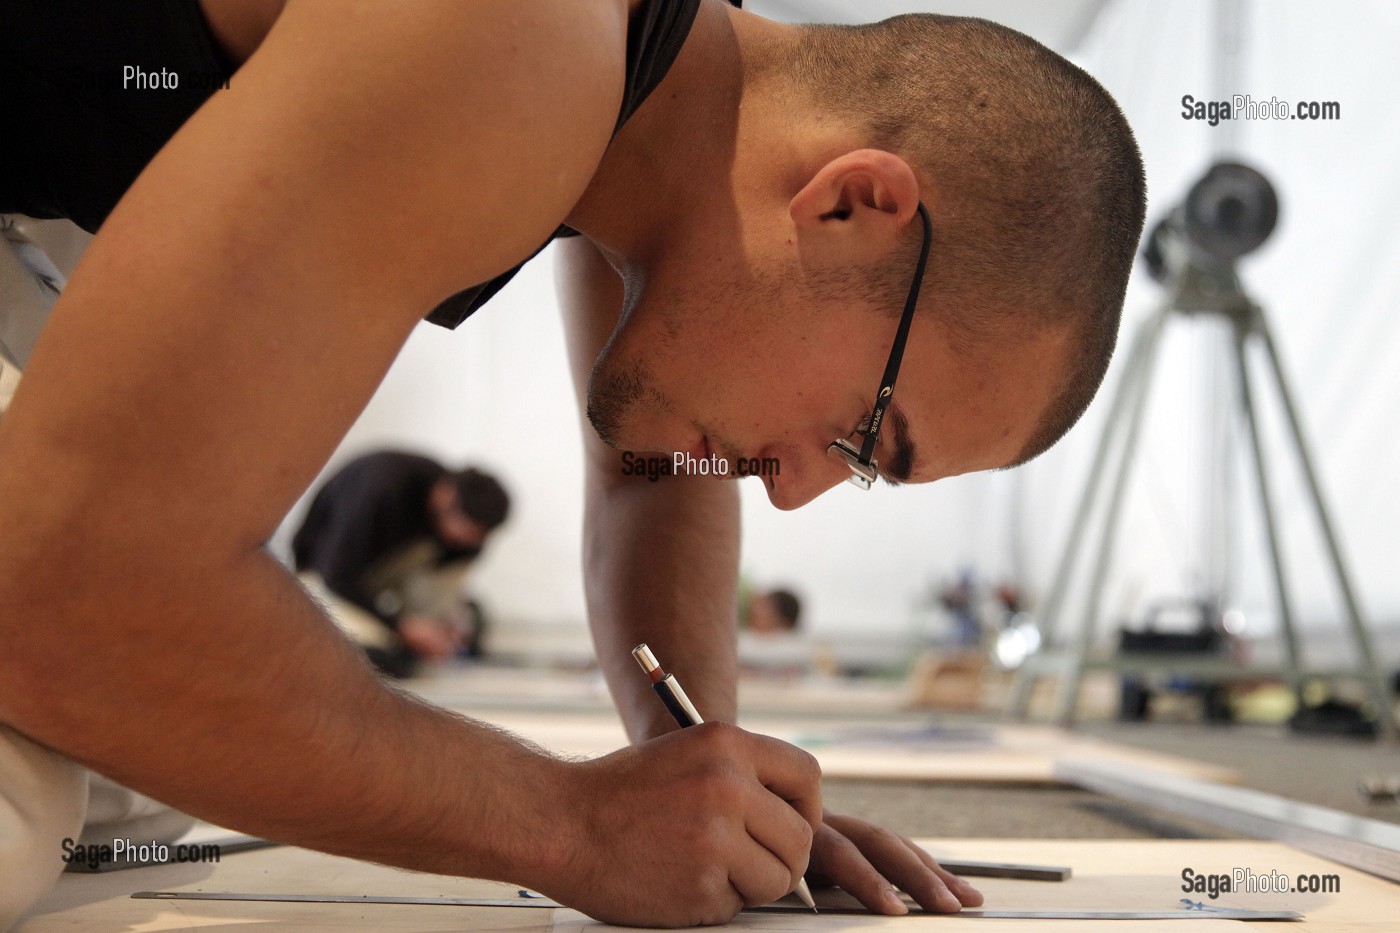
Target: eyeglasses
<point>864,469</point>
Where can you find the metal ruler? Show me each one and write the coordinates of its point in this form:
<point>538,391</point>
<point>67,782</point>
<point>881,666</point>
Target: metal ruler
<point>1204,913</point>
<point>1006,870</point>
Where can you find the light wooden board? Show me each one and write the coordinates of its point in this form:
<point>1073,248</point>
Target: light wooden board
<point>571,921</point>
<point>483,687</point>
<point>878,750</point>
<point>1131,874</point>
<point>1108,875</point>
<point>102,902</point>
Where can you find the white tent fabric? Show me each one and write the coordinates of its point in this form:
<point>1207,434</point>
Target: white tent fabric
<point>1329,281</point>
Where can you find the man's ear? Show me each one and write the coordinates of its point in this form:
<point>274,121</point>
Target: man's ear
<point>855,204</point>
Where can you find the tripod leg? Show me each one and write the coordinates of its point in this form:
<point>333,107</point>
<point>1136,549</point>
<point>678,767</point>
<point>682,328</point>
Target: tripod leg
<point>1067,694</point>
<point>1266,506</point>
<point>1380,692</point>
<point>1128,386</point>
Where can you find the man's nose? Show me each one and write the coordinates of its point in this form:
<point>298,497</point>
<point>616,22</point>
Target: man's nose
<point>813,477</point>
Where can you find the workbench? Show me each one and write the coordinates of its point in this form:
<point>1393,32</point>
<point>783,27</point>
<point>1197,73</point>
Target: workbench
<point>1116,875</point>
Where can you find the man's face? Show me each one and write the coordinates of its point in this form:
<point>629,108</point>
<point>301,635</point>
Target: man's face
<point>765,618</point>
<point>453,526</point>
<point>745,366</point>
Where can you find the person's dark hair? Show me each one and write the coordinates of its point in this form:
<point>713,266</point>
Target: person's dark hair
<point>1038,189</point>
<point>787,605</point>
<point>482,496</point>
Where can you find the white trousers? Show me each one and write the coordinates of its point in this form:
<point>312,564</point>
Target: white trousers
<point>43,798</point>
<point>46,798</point>
<point>36,258</point>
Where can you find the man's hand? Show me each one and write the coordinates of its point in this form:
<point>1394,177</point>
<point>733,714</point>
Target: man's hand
<point>661,566</point>
<point>689,828</point>
<point>427,637</point>
<point>869,862</point>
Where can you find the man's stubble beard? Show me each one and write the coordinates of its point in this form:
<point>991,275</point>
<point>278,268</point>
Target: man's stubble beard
<point>614,396</point>
<point>621,390</point>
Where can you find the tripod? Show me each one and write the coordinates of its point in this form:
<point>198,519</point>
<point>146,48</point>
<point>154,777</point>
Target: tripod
<point>1197,287</point>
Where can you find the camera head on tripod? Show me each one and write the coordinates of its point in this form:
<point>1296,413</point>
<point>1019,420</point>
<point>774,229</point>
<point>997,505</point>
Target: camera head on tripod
<point>1228,213</point>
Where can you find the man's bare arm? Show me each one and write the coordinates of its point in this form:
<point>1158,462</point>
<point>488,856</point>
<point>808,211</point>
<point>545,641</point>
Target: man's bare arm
<point>230,320</point>
<point>661,559</point>
<point>661,564</point>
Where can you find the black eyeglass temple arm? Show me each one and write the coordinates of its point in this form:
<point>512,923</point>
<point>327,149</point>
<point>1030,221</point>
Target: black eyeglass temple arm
<point>901,336</point>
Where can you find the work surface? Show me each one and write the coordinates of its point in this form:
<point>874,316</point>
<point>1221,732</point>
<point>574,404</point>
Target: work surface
<point>1118,875</point>
<point>856,729</point>
<point>879,750</point>
<point>488,686</point>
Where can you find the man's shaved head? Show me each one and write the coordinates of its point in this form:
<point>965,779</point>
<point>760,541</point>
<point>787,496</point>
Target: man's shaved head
<point>1040,192</point>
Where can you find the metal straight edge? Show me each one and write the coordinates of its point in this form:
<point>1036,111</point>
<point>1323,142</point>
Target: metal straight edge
<point>1006,870</point>
<point>1206,913</point>
<point>1368,845</point>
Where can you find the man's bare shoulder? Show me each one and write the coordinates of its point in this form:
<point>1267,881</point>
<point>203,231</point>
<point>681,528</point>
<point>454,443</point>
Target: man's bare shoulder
<point>364,164</point>
<point>475,126</point>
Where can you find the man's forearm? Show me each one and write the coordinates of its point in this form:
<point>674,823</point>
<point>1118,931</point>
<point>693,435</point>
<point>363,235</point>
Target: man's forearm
<point>223,692</point>
<point>661,564</point>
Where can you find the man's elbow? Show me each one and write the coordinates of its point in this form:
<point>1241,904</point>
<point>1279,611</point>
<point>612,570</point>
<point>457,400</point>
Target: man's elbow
<point>69,589</point>
<point>34,638</point>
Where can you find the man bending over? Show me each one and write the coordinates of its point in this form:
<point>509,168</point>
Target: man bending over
<point>748,195</point>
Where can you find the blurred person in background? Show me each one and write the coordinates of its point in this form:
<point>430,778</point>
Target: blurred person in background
<point>772,612</point>
<point>387,544</point>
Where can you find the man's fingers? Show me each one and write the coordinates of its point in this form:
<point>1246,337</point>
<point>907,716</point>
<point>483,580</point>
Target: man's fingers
<point>787,771</point>
<point>780,829</point>
<point>970,896</point>
<point>839,860</point>
<point>902,863</point>
<point>760,877</point>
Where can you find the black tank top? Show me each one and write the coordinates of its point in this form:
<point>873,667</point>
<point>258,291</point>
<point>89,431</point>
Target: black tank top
<point>75,138</point>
